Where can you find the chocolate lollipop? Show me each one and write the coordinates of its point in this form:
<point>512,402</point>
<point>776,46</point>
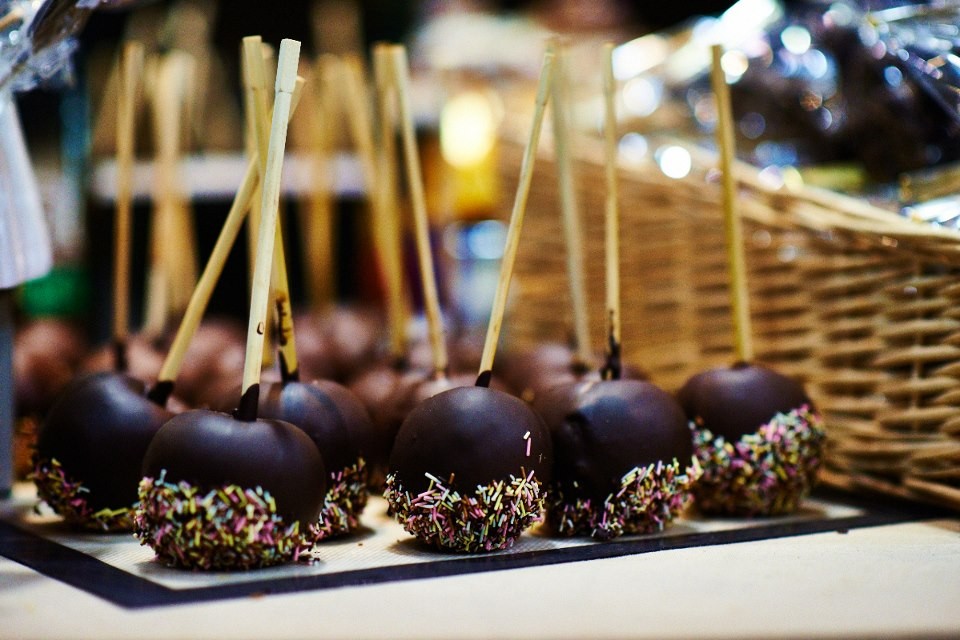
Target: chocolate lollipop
<point>404,387</point>
<point>170,226</point>
<point>235,492</point>
<point>92,442</point>
<point>392,388</point>
<point>334,341</point>
<point>326,411</point>
<point>468,464</point>
<point>624,460</point>
<point>758,437</point>
<point>550,364</point>
<point>184,344</point>
<point>171,223</point>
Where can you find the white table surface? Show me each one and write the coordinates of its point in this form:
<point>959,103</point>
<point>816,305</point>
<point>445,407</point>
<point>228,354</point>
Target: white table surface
<point>894,580</point>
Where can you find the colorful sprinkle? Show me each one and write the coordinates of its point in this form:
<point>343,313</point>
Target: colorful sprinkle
<point>764,473</point>
<point>491,519</point>
<point>67,498</point>
<point>647,499</point>
<point>344,502</point>
<point>227,528</point>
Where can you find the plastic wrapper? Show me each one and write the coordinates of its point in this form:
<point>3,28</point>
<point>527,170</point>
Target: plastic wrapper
<point>865,85</point>
<point>24,243</point>
<point>36,40</point>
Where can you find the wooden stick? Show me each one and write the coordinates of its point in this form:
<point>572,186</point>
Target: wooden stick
<point>401,76</point>
<point>516,224</point>
<point>280,287</point>
<point>11,17</point>
<point>250,146</point>
<point>569,209</point>
<point>318,221</point>
<point>161,391</point>
<point>166,112</point>
<point>359,118</point>
<point>103,131</point>
<point>742,337</point>
<point>257,102</point>
<point>171,224</point>
<point>322,227</point>
<point>185,262</point>
<point>612,368</point>
<point>131,65</point>
<point>249,189</point>
<point>286,82</point>
<point>386,208</point>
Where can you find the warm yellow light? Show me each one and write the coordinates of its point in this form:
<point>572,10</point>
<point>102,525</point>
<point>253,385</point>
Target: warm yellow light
<point>467,129</point>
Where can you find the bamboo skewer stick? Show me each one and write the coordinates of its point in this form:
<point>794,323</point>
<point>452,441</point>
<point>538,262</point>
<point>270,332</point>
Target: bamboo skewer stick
<point>166,112</point>
<point>186,257</point>
<point>612,369</point>
<point>12,17</point>
<point>285,84</point>
<point>743,343</point>
<point>280,287</point>
<point>239,210</point>
<point>431,297</point>
<point>386,209</point>
<point>569,209</point>
<point>385,232</point>
<point>131,72</point>
<point>516,224</point>
<point>251,149</point>
<point>318,223</point>
<point>171,224</point>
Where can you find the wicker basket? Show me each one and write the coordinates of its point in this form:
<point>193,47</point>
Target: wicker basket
<point>860,304</point>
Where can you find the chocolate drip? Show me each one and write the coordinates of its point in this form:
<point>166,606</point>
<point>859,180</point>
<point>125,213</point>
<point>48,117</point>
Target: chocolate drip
<point>121,363</point>
<point>247,409</point>
<point>160,392</point>
<point>483,380</point>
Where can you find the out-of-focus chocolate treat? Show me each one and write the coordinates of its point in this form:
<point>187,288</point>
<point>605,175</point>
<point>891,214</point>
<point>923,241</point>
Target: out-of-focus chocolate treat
<point>338,343</point>
<point>478,456</point>
<point>624,457</point>
<point>46,355</point>
<point>90,449</point>
<point>758,438</point>
<point>339,425</point>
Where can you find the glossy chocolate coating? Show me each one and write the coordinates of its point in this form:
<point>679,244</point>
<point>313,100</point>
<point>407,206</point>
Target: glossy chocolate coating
<point>329,413</point>
<point>209,449</point>
<point>735,401</point>
<point>390,395</point>
<point>99,430</point>
<point>474,434</point>
<point>602,430</point>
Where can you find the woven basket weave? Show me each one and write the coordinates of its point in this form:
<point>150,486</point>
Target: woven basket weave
<point>860,304</point>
